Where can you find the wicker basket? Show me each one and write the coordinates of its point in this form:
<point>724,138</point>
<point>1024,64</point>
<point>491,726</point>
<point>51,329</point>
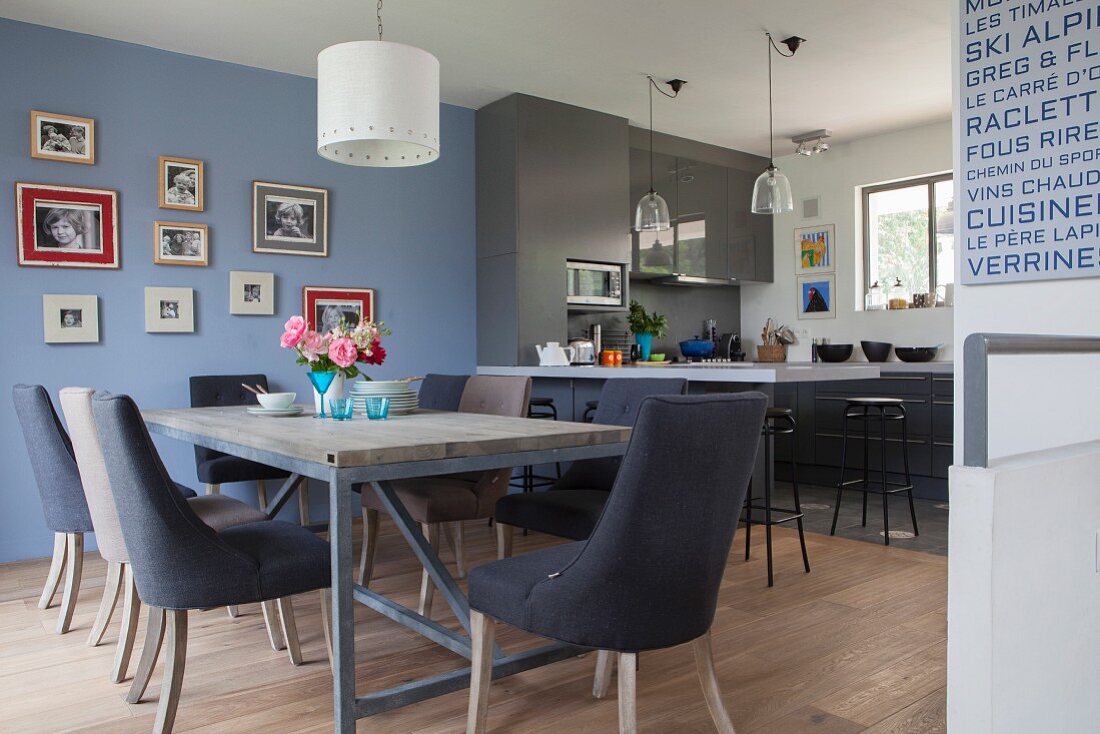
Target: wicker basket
<point>771,352</point>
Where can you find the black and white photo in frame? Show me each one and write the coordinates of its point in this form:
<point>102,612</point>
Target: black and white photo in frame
<point>289,220</point>
<point>180,243</point>
<point>251,294</point>
<point>61,225</point>
<point>180,183</point>
<point>169,310</point>
<point>62,137</point>
<point>68,319</point>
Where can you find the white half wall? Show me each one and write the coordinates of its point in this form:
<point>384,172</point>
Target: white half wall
<point>836,176</point>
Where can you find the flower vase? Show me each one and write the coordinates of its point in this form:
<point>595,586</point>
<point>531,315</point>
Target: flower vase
<point>645,344</point>
<point>335,390</point>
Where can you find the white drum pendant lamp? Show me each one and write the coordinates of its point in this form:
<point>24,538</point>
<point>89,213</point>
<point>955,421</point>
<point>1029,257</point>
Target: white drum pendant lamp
<point>377,103</point>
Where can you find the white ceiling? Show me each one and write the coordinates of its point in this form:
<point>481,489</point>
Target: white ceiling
<point>869,65</point>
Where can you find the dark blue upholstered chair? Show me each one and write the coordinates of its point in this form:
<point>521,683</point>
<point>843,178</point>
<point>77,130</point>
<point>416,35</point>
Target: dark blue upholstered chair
<point>215,468</point>
<point>441,392</point>
<point>63,503</point>
<point>571,507</point>
<point>648,576</point>
<point>180,563</point>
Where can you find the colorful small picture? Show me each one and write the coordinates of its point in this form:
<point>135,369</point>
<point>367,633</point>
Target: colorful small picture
<point>815,297</point>
<point>814,248</point>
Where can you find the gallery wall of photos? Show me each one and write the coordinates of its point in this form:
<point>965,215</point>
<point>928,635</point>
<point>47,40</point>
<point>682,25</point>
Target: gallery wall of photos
<point>73,227</point>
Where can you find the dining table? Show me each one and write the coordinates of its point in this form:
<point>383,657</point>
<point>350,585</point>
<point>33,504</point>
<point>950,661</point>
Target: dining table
<point>370,455</point>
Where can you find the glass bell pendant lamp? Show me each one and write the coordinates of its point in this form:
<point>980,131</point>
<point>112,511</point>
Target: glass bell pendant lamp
<point>652,212</point>
<point>772,192</point>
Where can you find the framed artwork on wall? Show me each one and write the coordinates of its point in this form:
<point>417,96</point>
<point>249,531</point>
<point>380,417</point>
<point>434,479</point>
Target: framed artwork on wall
<point>70,319</point>
<point>324,307</point>
<point>62,137</point>
<point>169,310</point>
<point>181,243</point>
<point>65,226</point>
<point>179,183</point>
<point>815,296</point>
<point>814,250</point>
<point>289,220</point>
<point>251,294</point>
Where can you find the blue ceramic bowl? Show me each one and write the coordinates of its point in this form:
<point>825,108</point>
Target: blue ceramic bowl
<point>700,348</point>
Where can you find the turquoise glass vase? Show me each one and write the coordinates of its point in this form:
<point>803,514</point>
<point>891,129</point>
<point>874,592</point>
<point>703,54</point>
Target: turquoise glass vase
<point>645,344</point>
<point>321,382</point>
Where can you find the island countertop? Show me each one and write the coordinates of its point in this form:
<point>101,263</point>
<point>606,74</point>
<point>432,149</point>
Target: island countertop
<point>744,372</point>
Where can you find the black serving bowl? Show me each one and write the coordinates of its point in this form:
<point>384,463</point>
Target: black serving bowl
<point>876,351</point>
<point>834,352</point>
<point>916,354</point>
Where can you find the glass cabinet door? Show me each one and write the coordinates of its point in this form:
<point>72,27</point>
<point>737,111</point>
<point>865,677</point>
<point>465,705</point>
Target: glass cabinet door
<point>701,235</point>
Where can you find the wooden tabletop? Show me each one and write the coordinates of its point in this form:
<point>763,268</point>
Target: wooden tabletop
<point>419,436</point>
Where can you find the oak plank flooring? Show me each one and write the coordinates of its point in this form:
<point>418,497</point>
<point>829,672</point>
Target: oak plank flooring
<point>857,645</point>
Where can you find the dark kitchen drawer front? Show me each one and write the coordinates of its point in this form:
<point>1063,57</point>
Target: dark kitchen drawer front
<point>943,386</point>
<point>943,420</point>
<point>943,455</point>
<point>827,453</point>
<point>896,385</point>
<point>829,415</point>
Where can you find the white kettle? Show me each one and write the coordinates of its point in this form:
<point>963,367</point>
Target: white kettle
<point>554,355</point>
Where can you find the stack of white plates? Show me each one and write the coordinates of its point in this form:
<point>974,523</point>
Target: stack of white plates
<point>403,398</point>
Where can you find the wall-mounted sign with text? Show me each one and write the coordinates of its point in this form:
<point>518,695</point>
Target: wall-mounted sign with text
<point>1028,184</point>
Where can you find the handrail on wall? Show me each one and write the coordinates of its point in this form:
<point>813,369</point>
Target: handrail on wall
<point>976,351</point>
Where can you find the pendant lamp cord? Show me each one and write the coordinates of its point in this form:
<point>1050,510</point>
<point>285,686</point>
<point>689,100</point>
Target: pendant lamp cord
<point>652,86</point>
<point>771,132</point>
<point>379,16</point>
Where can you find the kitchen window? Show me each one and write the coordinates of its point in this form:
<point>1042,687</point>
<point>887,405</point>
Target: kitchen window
<point>908,233</point>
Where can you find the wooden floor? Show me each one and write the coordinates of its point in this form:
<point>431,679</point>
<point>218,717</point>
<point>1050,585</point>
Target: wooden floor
<point>857,645</point>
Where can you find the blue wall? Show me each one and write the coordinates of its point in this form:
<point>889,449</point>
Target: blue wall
<point>409,233</point>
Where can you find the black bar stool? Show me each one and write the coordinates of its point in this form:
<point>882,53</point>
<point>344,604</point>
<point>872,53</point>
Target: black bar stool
<point>777,421</point>
<point>868,410</point>
<point>541,408</point>
<point>590,410</point>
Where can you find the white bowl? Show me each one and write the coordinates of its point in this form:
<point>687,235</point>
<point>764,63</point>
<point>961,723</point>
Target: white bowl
<point>277,400</point>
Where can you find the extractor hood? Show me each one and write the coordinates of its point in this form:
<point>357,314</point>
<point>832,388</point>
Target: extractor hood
<point>692,280</point>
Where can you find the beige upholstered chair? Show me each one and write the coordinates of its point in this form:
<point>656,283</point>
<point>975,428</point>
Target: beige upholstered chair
<point>445,502</point>
<point>217,511</point>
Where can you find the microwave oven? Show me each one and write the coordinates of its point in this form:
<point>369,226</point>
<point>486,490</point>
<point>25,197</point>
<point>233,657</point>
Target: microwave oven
<point>594,284</point>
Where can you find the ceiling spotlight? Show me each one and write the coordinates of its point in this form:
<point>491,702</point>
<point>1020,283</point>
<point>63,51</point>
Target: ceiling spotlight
<point>811,142</point>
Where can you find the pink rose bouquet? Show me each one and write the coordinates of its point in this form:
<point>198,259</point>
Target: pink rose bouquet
<point>339,348</point>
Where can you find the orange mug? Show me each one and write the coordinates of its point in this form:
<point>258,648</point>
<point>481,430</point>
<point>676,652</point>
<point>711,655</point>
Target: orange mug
<point>618,358</point>
<point>608,358</point>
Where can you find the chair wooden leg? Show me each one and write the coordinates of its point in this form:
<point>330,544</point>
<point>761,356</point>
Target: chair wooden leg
<point>234,611</point>
<point>57,565</point>
<point>704,662</point>
<point>456,539</point>
<point>131,605</point>
<point>173,671</point>
<point>326,624</point>
<point>271,623</point>
<point>107,604</point>
<point>213,489</point>
<point>290,629</point>
<point>303,501</point>
<point>370,543</point>
<point>150,651</point>
<point>261,494</point>
<point>605,664</point>
<point>628,691</point>
<point>482,633</point>
<point>504,541</point>
<point>427,588</point>
<point>74,565</point>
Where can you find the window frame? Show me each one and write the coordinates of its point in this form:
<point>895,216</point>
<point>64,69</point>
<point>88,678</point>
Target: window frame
<point>929,182</point>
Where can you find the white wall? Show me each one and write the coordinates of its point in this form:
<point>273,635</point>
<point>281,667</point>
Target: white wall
<point>835,176</point>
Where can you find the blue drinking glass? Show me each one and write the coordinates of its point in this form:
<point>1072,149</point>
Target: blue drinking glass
<point>321,382</point>
<point>341,408</point>
<point>378,409</point>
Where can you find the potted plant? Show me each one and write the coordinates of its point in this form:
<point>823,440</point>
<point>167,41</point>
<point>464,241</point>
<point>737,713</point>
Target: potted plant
<point>645,327</point>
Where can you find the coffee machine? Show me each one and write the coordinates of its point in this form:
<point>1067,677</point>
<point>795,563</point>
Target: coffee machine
<point>729,347</point>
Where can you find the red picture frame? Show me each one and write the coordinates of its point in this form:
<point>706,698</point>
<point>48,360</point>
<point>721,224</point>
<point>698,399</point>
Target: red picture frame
<point>324,306</point>
<point>66,226</point>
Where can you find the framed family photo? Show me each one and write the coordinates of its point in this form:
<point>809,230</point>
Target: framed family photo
<point>289,220</point>
<point>251,294</point>
<point>181,243</point>
<point>169,310</point>
<point>62,137</point>
<point>814,249</point>
<point>65,226</point>
<point>179,183</point>
<point>815,297</point>
<point>323,307</point>
<point>70,319</point>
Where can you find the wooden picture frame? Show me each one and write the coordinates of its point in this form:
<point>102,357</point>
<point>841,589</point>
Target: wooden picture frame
<point>815,249</point>
<point>251,294</point>
<point>181,243</point>
<point>323,306</point>
<point>169,310</point>
<point>56,137</point>
<point>816,296</point>
<point>66,226</point>
<point>180,183</point>
<point>289,220</point>
<point>69,319</point>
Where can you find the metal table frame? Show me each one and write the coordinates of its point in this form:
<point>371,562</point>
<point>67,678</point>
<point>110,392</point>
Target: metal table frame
<point>347,706</point>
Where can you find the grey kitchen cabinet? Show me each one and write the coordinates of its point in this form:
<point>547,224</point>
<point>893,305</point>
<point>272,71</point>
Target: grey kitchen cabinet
<point>701,227</point>
<point>751,243</point>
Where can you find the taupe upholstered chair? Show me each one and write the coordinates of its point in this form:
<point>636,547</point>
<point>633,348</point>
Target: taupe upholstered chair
<point>445,502</point>
<point>217,511</point>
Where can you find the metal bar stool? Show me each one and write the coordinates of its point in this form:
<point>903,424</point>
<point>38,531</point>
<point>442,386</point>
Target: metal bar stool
<point>590,410</point>
<point>868,410</point>
<point>544,409</point>
<point>777,421</point>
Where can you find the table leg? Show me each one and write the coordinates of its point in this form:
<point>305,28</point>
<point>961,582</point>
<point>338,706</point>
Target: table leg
<point>285,491</point>
<point>343,613</point>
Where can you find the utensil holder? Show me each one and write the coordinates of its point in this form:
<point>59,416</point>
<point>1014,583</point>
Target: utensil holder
<point>771,352</point>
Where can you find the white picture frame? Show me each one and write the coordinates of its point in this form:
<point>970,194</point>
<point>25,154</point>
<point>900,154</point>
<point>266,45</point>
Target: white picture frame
<point>815,249</point>
<point>169,310</point>
<point>70,319</point>
<point>816,296</point>
<point>251,293</point>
